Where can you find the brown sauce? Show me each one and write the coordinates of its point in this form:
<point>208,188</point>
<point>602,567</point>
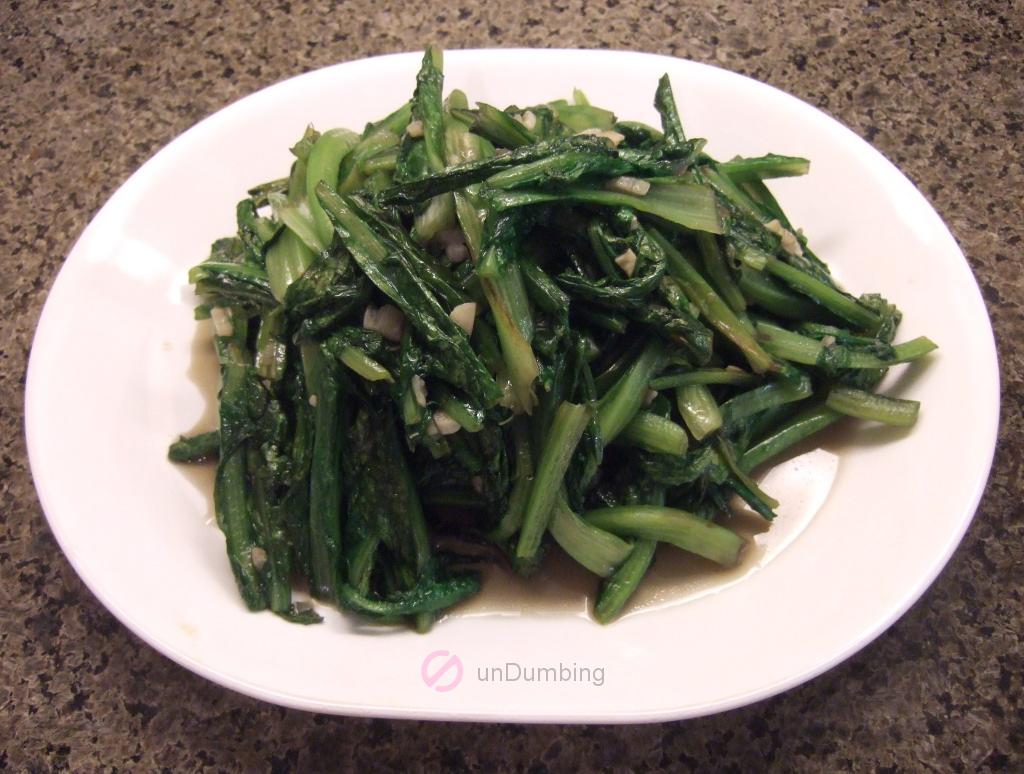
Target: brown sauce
<point>204,373</point>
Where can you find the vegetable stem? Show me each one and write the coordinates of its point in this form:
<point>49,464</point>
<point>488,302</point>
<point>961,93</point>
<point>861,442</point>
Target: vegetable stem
<point>867,405</point>
<point>670,525</point>
<point>716,311</point>
<point>621,402</point>
<point>617,590</point>
<point>569,423</point>
<point>597,550</point>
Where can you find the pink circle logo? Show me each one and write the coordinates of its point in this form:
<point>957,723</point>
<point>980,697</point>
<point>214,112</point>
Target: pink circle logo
<point>441,670</point>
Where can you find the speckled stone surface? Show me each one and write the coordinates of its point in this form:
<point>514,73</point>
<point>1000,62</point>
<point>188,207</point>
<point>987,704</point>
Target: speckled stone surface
<point>90,90</point>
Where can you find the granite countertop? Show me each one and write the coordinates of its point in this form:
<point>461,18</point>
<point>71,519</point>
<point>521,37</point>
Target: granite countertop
<point>91,90</point>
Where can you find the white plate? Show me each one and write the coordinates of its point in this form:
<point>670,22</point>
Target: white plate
<point>109,386</point>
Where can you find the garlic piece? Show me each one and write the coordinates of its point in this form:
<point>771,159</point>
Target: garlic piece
<point>388,321</point>
<point>464,315</point>
<point>628,185</point>
<point>789,241</point>
<point>627,262</point>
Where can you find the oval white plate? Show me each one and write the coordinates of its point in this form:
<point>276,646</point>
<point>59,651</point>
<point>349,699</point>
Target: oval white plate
<point>109,386</point>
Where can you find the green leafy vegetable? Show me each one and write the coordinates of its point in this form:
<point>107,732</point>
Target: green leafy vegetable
<point>471,334</point>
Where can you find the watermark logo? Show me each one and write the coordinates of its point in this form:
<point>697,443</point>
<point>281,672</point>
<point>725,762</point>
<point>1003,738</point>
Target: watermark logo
<point>514,672</point>
<point>441,670</point>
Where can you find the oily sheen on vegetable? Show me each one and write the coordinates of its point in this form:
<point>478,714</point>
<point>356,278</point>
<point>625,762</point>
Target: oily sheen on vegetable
<point>473,334</point>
